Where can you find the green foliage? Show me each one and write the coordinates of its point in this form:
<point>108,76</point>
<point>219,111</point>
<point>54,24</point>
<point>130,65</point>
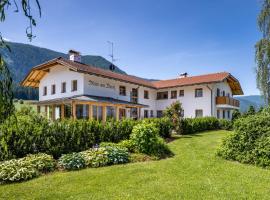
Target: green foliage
<point>263,52</point>
<point>235,115</point>
<point>117,155</point>
<point>41,161</point>
<point>146,140</point>
<point>251,110</point>
<point>29,133</point>
<point>174,112</point>
<point>96,157</point>
<point>225,124</point>
<point>73,161</point>
<point>194,125</point>
<point>127,144</point>
<point>25,168</point>
<point>249,143</point>
<point>163,124</point>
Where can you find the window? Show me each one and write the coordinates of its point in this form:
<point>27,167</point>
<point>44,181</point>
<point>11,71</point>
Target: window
<point>74,85</point>
<point>223,93</point>
<point>198,92</point>
<point>181,93</point>
<point>111,112</point>
<point>159,113</point>
<point>145,113</point>
<point>122,90</point>
<point>44,90</point>
<point>82,111</point>
<point>63,87</point>
<point>223,114</point>
<point>218,92</point>
<point>53,89</point>
<point>173,94</point>
<point>162,95</point>
<point>228,114</point>
<point>199,113</point>
<point>151,113</point>
<point>218,114</point>
<point>146,94</point>
<point>97,112</point>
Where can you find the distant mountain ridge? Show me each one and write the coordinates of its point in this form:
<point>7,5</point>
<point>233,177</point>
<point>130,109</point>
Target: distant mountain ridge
<point>24,56</point>
<point>252,100</point>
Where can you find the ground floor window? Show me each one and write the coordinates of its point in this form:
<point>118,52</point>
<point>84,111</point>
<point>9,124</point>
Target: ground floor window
<point>151,113</point>
<point>111,112</point>
<point>228,114</point>
<point>218,114</point>
<point>199,113</point>
<point>224,114</point>
<point>134,113</point>
<point>82,111</point>
<point>159,113</point>
<point>67,111</point>
<point>122,113</point>
<point>145,113</point>
<point>97,112</point>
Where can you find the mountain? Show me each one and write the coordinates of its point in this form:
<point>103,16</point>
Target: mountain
<point>253,100</point>
<point>24,56</point>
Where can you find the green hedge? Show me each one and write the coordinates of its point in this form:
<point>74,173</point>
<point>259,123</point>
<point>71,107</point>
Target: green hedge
<point>250,141</point>
<point>30,133</point>
<point>194,125</point>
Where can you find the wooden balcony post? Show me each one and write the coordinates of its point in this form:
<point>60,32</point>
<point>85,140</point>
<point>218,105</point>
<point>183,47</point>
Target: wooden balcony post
<point>104,113</point>
<point>62,111</point>
<point>90,112</point>
<point>117,113</point>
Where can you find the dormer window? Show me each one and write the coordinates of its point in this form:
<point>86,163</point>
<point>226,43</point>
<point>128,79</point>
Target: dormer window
<point>74,85</point>
<point>53,89</point>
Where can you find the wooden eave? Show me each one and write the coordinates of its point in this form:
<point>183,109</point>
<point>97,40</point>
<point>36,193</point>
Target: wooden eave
<point>234,85</point>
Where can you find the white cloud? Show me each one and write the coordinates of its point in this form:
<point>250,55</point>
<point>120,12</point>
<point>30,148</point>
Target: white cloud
<point>6,39</point>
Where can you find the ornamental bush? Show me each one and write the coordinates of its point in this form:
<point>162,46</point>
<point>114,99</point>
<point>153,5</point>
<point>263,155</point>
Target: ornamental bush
<point>249,143</point>
<point>116,153</point>
<point>73,161</point>
<point>163,124</point>
<point>146,140</point>
<point>225,124</point>
<point>96,157</point>
<point>25,168</point>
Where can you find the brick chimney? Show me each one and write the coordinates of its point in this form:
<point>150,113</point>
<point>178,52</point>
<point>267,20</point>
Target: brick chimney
<point>74,56</point>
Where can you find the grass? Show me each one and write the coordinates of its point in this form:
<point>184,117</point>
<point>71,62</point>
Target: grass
<point>193,173</point>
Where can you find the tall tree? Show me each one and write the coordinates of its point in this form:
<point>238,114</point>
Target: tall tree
<point>6,94</point>
<point>263,52</point>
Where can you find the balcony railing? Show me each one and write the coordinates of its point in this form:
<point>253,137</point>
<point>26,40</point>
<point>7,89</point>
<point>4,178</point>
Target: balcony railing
<point>227,101</point>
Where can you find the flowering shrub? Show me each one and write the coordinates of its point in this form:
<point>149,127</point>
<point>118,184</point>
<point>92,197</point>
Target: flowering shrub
<point>72,161</point>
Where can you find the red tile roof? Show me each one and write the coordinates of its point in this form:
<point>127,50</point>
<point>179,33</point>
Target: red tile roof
<point>80,67</point>
<point>183,81</point>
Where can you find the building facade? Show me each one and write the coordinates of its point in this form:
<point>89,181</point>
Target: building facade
<point>69,88</point>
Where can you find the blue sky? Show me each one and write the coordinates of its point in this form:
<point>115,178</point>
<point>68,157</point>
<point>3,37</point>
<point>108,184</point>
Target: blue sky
<point>153,39</point>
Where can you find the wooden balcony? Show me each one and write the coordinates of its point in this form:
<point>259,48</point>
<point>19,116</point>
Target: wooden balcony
<point>227,101</point>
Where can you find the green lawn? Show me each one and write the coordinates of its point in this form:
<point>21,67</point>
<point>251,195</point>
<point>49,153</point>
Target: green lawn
<point>193,173</point>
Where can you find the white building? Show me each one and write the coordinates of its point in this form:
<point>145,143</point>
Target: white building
<point>69,88</point>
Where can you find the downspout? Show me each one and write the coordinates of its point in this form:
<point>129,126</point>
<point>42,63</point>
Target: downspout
<point>211,99</point>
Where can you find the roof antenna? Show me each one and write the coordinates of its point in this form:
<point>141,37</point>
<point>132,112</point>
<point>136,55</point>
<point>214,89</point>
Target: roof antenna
<point>111,48</point>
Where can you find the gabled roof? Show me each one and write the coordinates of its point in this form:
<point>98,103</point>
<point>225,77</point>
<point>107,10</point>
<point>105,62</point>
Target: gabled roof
<point>38,72</point>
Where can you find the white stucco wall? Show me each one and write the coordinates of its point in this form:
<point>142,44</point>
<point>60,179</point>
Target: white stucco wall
<point>99,86</point>
<point>189,102</point>
<point>57,75</point>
